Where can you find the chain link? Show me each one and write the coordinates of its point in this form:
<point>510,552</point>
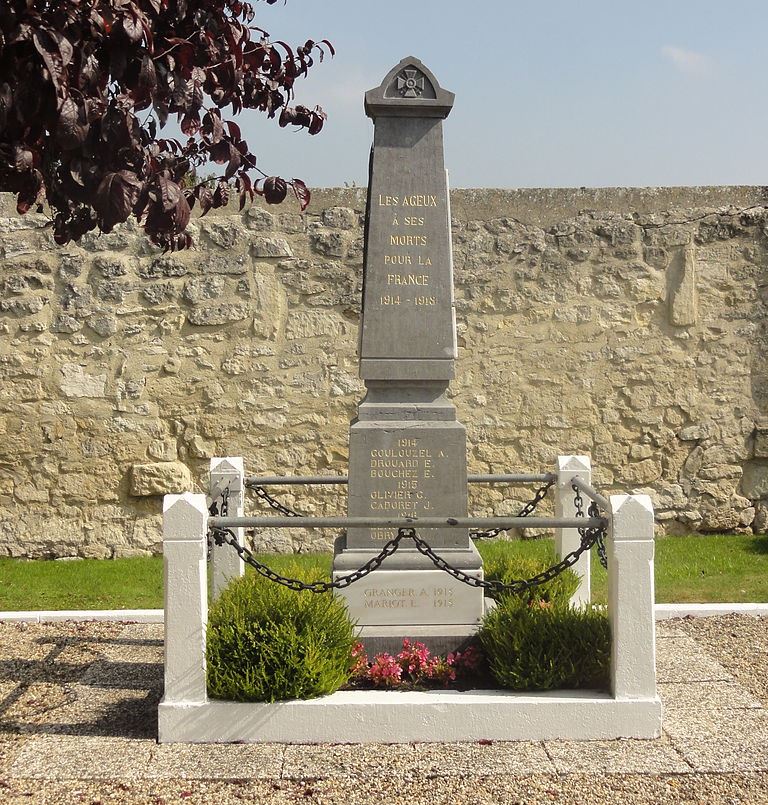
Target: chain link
<point>527,510</point>
<point>262,493</point>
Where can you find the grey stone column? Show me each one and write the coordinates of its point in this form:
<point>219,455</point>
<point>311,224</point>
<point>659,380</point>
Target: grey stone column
<point>407,449</point>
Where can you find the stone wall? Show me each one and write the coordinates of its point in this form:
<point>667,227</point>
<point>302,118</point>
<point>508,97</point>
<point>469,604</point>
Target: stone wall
<point>626,324</point>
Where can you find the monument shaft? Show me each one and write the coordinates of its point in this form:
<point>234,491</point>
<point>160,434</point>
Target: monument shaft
<point>407,450</point>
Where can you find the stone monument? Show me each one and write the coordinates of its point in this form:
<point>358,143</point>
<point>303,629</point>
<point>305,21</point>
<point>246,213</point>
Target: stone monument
<point>407,451</point>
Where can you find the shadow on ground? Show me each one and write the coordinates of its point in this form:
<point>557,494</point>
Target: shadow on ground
<point>88,686</point>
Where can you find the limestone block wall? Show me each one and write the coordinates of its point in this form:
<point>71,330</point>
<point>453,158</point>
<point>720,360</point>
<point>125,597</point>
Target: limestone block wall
<point>627,324</point>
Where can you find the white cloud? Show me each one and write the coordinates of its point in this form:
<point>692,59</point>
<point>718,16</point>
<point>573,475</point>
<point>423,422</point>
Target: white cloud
<point>688,61</point>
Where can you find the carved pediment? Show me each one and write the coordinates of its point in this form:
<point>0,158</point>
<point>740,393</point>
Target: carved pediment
<point>409,89</point>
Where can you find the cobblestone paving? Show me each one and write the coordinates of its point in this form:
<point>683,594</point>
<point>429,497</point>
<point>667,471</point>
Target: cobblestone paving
<point>78,722</point>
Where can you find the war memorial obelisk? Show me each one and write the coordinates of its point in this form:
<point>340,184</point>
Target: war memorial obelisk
<point>407,451</point>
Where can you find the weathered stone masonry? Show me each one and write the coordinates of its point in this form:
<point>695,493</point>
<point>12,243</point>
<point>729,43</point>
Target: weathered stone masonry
<point>626,324</point>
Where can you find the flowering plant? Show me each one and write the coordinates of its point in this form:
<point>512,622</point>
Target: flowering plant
<point>413,666</point>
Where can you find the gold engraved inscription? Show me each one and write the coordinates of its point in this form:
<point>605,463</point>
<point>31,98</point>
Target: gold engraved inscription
<point>407,240</point>
<point>408,597</point>
<point>407,279</point>
<point>412,200</point>
<point>400,279</point>
<point>400,472</point>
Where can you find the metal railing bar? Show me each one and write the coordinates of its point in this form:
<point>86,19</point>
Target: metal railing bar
<point>591,493</point>
<point>281,480</point>
<point>405,522</point>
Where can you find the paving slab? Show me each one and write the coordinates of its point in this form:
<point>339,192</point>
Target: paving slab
<point>84,710</point>
<point>67,757</point>
<point>482,759</point>
<point>118,674</point>
<point>136,642</point>
<point>624,756</point>
<point>721,740</point>
<point>739,644</point>
<point>698,696</point>
<point>132,658</point>
<point>26,705</point>
<point>681,659</point>
<point>9,749</point>
<point>57,680</point>
<point>216,762</point>
<point>317,761</point>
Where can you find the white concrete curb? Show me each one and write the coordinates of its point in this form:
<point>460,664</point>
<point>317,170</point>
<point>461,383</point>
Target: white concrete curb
<point>662,612</point>
<point>54,615</point>
<point>374,716</point>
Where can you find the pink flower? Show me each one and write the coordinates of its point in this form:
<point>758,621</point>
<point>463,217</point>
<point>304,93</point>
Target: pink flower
<point>440,670</point>
<point>360,658</point>
<point>414,658</point>
<point>467,660</point>
<point>385,671</point>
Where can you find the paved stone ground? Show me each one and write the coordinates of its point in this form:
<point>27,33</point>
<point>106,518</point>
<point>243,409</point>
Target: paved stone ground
<point>78,723</point>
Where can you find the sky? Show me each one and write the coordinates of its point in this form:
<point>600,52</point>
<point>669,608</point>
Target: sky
<point>549,93</point>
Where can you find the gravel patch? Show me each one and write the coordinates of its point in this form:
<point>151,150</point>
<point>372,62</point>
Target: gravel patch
<point>577,789</point>
<point>8,751</point>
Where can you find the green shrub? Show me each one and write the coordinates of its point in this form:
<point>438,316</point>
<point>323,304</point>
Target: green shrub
<point>546,647</point>
<point>267,643</point>
<point>503,562</point>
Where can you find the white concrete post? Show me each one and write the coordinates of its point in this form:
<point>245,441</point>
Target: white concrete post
<point>568,539</point>
<point>225,563</point>
<point>185,525</point>
<point>631,597</point>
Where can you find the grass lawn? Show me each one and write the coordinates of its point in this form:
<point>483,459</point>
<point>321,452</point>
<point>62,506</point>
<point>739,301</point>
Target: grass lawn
<point>701,569</point>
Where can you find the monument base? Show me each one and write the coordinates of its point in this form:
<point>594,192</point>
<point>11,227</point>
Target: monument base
<point>439,639</point>
<point>408,597</point>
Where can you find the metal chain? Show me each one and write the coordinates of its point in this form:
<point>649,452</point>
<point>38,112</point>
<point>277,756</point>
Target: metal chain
<point>223,536</point>
<point>515,586</point>
<point>262,493</point>
<point>601,552</point>
<point>215,510</point>
<point>598,533</point>
<point>490,533</point>
<point>527,510</point>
